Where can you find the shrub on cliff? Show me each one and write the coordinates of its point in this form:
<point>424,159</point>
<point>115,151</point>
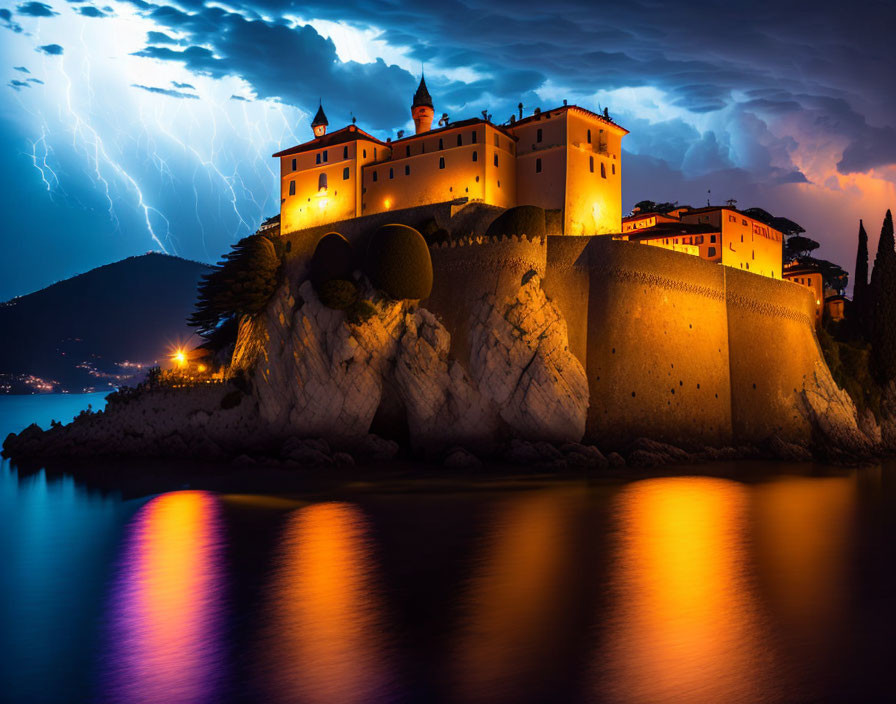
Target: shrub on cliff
<point>522,220</point>
<point>338,294</point>
<point>360,312</point>
<point>241,284</point>
<point>398,262</point>
<point>850,367</point>
<point>333,258</point>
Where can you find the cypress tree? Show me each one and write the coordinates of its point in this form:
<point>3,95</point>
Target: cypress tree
<point>860,302</point>
<point>883,318</point>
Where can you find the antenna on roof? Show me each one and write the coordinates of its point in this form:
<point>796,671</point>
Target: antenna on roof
<point>400,134</point>
<point>607,113</point>
<point>708,191</point>
<point>354,119</point>
<point>443,120</point>
<point>564,102</point>
<point>520,106</point>
<point>485,114</point>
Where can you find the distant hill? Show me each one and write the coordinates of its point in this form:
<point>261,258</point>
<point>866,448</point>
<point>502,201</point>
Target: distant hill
<point>87,331</point>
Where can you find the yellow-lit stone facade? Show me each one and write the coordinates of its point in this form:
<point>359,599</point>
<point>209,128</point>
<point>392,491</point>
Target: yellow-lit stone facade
<point>811,279</point>
<point>566,159</point>
<point>718,234</point>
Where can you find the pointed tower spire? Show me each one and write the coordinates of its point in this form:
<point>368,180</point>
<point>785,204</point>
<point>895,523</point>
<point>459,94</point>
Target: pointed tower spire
<point>421,108</point>
<point>320,122</point>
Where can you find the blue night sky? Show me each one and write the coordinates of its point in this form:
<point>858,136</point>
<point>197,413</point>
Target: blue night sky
<point>133,126</point>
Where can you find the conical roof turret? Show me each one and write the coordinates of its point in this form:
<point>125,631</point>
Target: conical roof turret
<point>422,96</point>
<point>320,118</point>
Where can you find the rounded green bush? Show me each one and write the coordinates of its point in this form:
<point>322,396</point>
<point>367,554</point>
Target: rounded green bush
<point>522,220</point>
<point>338,294</point>
<point>333,258</point>
<point>398,262</point>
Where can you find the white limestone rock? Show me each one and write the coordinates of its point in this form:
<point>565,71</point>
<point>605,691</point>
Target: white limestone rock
<point>833,417</point>
<point>520,360</point>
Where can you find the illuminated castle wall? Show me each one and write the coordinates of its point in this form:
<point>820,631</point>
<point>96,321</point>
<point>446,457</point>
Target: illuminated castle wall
<point>566,159</point>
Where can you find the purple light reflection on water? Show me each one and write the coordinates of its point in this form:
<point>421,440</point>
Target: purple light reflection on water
<point>166,610</point>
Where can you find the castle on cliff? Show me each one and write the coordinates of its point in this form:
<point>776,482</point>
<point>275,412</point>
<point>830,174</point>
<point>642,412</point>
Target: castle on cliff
<point>566,159</point>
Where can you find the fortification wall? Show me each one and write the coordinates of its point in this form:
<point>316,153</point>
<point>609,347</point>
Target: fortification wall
<point>566,283</point>
<point>465,271</point>
<point>773,353</point>
<point>657,346</point>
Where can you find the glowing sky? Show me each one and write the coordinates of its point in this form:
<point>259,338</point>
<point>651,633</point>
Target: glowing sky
<point>129,126</point>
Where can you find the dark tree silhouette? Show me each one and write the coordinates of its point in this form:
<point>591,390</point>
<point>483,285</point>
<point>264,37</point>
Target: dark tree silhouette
<point>241,284</point>
<point>649,206</point>
<point>860,310</point>
<point>798,247</point>
<point>883,295</point>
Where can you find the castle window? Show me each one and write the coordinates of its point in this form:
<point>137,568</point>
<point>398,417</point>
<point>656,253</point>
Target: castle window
<point>317,158</point>
<point>477,179</point>
<point>731,218</point>
<point>475,156</point>
<point>538,166</point>
<point>603,170</point>
<point>460,140</point>
<point>748,266</point>
<point>322,182</point>
<point>374,176</point>
<point>614,168</point>
<point>741,238</point>
<point>744,221</point>
<point>293,164</point>
<point>345,152</point>
<point>374,153</point>
<point>407,169</point>
<point>499,184</point>
<point>364,153</point>
<point>712,238</point>
<point>497,143</point>
<point>538,135</point>
<point>472,138</point>
<point>391,173</point>
<point>589,136</point>
<point>496,159</point>
<point>325,155</point>
<point>441,162</point>
<point>345,174</point>
<point>591,164</point>
<point>441,144</point>
<point>292,188</point>
<point>407,150</point>
<point>711,251</point>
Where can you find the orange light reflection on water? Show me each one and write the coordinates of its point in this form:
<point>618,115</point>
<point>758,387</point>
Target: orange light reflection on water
<point>682,625</point>
<point>322,640</point>
<point>167,606</point>
<point>515,599</point>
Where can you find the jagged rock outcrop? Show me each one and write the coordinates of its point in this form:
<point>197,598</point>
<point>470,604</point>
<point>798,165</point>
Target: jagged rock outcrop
<point>520,360</point>
<point>834,420</point>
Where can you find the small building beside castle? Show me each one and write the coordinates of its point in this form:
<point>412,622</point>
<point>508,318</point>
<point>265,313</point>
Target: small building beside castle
<point>721,233</point>
<point>566,159</point>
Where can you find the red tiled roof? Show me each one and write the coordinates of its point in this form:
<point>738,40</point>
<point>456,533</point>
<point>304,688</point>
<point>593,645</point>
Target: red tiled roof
<point>346,134</point>
<point>455,125</point>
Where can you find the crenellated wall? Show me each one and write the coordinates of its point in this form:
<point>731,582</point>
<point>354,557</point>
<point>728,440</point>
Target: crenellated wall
<point>467,270</point>
<point>657,346</point>
<point>566,282</point>
<point>773,353</point>
<point>686,351</point>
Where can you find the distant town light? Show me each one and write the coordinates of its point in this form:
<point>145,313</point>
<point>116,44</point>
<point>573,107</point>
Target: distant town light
<point>179,357</point>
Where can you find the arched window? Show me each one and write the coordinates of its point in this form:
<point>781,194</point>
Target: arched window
<point>345,152</point>
<point>325,155</point>
<point>472,138</point>
<point>317,158</point>
<point>407,150</point>
<point>589,136</point>
<point>496,159</point>
<point>441,162</point>
<point>603,171</point>
<point>345,173</point>
<point>322,182</point>
<point>292,188</point>
<point>407,169</point>
<point>374,176</point>
<point>391,173</point>
<point>538,166</point>
<point>293,164</point>
<point>538,135</point>
<point>460,139</point>
<point>364,153</point>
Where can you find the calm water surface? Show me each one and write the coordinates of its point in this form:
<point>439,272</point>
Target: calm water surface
<point>665,589</point>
